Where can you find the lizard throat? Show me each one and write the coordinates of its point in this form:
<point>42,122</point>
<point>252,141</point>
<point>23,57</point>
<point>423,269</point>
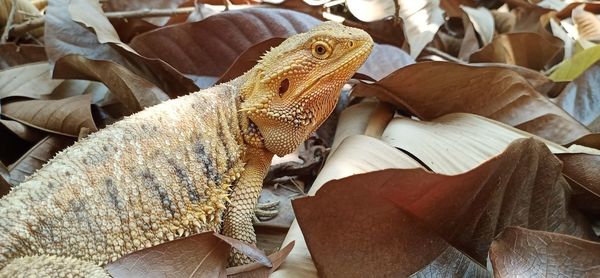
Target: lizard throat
<point>251,134</point>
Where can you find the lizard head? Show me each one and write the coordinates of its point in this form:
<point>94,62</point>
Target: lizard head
<point>296,85</point>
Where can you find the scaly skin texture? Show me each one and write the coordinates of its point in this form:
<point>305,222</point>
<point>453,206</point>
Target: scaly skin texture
<point>185,166</point>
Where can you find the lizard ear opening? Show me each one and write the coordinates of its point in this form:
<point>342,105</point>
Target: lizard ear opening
<point>284,86</point>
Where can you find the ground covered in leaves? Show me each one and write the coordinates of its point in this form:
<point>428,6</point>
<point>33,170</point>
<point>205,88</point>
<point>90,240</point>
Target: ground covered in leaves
<point>467,145</point>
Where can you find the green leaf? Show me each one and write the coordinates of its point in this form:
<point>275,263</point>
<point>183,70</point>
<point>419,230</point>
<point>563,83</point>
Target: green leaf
<point>571,68</point>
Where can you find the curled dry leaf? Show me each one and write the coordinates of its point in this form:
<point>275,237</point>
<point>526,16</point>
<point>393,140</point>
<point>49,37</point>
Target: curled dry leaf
<point>504,22</point>
<point>256,270</point>
<point>457,134</point>
<point>498,94</point>
<point>529,253</point>
<point>470,42</point>
<point>466,211</point>
<point>386,31</point>
<point>200,255</point>
<point>247,249</point>
<point>35,81</point>
<point>13,55</point>
<point>581,171</point>
<point>367,117</point>
<point>385,59</point>
<point>25,11</point>
<point>32,81</point>
<point>483,21</point>
<point>355,154</point>
<point>65,36</point>
<point>530,50</point>
<point>244,28</point>
<point>133,91</point>
<point>37,156</point>
<point>352,231</point>
<point>421,18</point>
<point>64,117</point>
<point>588,25</point>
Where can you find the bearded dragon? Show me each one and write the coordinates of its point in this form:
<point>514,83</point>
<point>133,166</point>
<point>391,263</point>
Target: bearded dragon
<point>188,165</point>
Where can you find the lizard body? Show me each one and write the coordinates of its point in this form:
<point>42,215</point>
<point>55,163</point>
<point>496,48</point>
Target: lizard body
<point>185,166</point>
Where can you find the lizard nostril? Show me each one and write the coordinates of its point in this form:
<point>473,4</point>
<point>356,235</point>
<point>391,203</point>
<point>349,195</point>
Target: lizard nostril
<point>351,43</point>
<point>284,86</point>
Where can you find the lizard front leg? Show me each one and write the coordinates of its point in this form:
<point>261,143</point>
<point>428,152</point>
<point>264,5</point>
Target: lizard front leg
<point>237,222</point>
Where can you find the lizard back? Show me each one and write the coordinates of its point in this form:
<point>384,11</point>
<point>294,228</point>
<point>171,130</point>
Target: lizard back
<point>160,174</point>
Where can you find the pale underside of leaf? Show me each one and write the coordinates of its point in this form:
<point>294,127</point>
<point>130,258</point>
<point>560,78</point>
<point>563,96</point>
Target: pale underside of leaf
<point>456,142</point>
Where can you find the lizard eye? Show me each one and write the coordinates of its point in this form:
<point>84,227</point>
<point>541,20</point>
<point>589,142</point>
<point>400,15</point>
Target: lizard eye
<point>321,50</point>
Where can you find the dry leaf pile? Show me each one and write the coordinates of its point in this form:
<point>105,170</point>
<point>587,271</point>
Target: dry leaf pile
<point>467,145</point>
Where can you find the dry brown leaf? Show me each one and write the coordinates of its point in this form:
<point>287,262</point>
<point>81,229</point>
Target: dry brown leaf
<point>482,21</point>
<point>588,25</point>
<point>37,156</point>
<point>581,171</point>
<point>470,42</point>
<point>385,31</point>
<point>247,249</point>
<point>590,140</point>
<point>385,59</point>
<point>256,270</point>
<point>25,11</point>
<point>453,7</point>
<point>353,232</point>
<point>538,80</point>
<point>529,253</point>
<point>64,36</point>
<point>64,117</point>
<point>248,59</point>
<point>24,132</point>
<point>184,45</point>
<point>529,50</point>
<point>200,255</point>
<point>504,22</point>
<point>520,187</point>
<point>133,91</point>
<point>496,93</point>
<point>367,117</point>
<point>568,10</point>
<point>354,155</point>
<point>13,55</point>
<point>35,81</point>
<point>129,28</point>
<point>421,18</point>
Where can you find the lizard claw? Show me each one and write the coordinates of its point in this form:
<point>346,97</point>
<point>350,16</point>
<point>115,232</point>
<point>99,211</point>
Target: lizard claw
<point>265,211</point>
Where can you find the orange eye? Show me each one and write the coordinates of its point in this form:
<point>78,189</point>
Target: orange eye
<point>321,50</point>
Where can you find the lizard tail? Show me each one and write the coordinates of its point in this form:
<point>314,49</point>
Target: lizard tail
<point>51,266</point>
